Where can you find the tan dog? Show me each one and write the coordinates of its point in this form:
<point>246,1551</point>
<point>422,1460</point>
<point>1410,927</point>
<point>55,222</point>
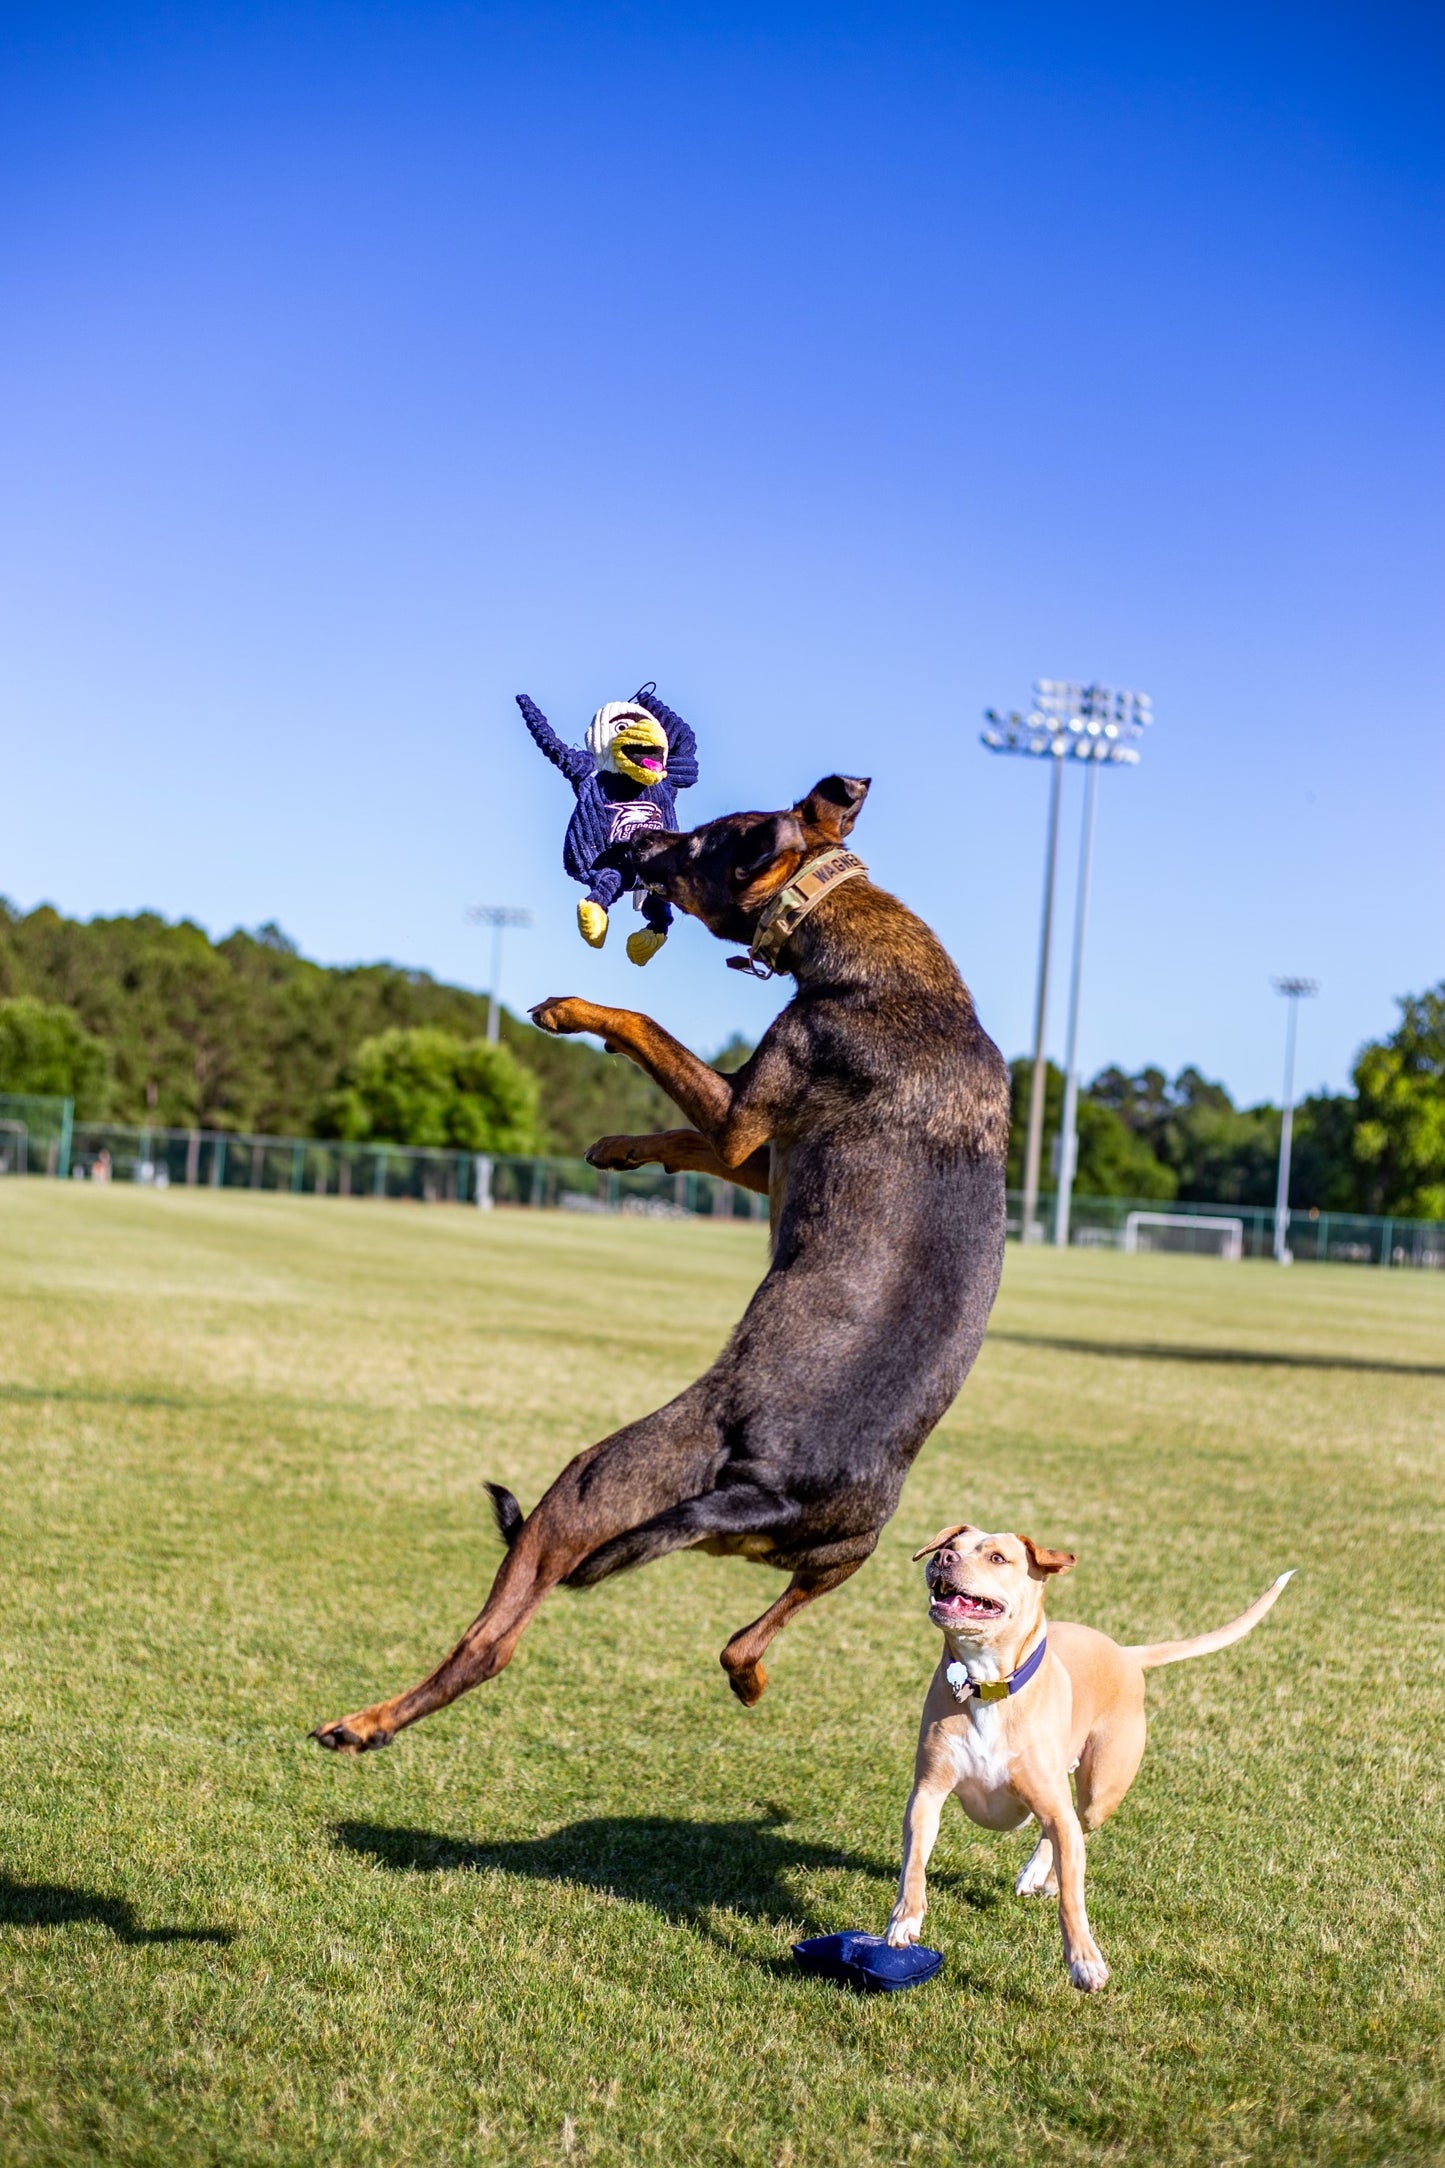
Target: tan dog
<point>1012,1714</point>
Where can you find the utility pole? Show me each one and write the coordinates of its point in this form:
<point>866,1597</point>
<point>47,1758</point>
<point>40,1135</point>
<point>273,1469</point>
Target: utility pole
<point>498,916</point>
<point>1068,721</point>
<point>1294,991</point>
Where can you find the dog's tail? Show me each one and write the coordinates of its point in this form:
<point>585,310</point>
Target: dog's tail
<point>509,1514</point>
<point>1154,1653</point>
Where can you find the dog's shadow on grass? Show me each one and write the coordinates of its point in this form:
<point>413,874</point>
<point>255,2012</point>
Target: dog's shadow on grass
<point>56,1904</point>
<point>689,1872</point>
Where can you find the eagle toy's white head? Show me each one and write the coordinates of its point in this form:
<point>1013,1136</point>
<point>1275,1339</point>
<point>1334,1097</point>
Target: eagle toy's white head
<point>627,740</point>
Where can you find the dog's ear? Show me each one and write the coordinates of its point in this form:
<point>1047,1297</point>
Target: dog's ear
<point>945,1535</point>
<point>768,855</point>
<point>831,807</point>
<point>1043,1561</point>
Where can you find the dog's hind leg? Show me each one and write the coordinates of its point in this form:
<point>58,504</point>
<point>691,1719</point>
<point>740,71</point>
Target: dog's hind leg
<point>1037,1877</point>
<point>600,1496</point>
<point>721,1515</point>
<point>1109,1765</point>
<point>539,1559</point>
<point>742,1659</point>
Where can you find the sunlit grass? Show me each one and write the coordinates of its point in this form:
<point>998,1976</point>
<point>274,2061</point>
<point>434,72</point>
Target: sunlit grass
<point>242,1451</point>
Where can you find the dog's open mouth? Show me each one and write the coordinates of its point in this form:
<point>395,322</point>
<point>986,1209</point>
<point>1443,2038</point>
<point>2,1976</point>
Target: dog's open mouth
<point>953,1608</point>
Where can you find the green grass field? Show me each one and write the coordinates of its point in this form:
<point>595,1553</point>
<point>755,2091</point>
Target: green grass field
<point>243,1443</point>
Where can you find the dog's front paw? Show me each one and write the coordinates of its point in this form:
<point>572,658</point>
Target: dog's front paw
<point>1089,1972</point>
<point>561,1014</point>
<point>359,1734</point>
<point>904,1928</point>
<point>616,1154</point>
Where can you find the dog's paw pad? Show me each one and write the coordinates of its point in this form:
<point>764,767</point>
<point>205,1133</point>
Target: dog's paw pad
<point>340,1738</point>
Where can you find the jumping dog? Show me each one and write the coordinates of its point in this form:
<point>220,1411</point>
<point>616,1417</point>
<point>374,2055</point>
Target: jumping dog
<point>874,1116</point>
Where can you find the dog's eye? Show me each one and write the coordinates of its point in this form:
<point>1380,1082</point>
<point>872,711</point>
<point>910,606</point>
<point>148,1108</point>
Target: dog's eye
<point>996,1558</point>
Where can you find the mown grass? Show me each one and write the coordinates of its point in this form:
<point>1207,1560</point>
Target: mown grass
<point>242,1448</point>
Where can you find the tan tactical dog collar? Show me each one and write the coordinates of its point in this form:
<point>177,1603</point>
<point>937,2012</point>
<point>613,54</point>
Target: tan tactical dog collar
<point>783,913</point>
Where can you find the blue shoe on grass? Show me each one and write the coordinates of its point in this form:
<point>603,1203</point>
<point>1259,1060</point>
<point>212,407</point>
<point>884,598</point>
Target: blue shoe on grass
<point>865,1961</point>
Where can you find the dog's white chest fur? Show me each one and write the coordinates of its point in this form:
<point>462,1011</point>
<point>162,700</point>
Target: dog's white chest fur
<point>978,1761</point>
<point>976,1745</point>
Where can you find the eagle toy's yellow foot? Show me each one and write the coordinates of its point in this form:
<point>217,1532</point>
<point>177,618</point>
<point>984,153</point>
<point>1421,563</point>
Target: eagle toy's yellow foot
<point>591,922</point>
<point>643,945</point>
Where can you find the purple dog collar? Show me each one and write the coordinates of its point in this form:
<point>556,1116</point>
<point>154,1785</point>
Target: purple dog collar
<point>967,1689</point>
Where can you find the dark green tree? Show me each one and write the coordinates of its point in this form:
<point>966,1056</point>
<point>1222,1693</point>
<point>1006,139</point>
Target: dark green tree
<point>1399,1137</point>
<point>1323,1168</point>
<point>731,1055</point>
<point>1142,1101</point>
<point>45,1049</point>
<point>424,1086</point>
<point>1113,1160</point>
<point>1221,1153</point>
<point>1215,1152</point>
<point>247,1034</point>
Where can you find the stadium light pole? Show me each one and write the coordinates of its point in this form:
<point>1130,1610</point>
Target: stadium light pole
<point>1295,991</point>
<point>1068,721</point>
<point>1069,1120</point>
<point>1013,734</point>
<point>499,916</point>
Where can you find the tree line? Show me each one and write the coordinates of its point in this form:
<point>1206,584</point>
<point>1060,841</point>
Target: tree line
<point>1380,1148</point>
<point>142,1020</point>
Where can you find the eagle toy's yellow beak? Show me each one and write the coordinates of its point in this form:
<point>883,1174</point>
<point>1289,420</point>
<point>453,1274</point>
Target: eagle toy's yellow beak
<point>639,751</point>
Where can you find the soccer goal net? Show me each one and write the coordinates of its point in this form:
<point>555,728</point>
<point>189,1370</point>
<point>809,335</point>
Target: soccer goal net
<point>1186,1231</point>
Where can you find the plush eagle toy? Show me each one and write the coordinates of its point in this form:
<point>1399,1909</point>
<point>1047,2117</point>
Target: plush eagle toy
<point>637,756</point>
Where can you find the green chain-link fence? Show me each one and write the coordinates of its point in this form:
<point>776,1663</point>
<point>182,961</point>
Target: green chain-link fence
<point>41,1136</point>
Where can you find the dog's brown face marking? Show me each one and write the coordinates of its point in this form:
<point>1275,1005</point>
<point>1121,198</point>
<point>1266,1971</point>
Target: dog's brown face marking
<point>978,1582</point>
<point>724,872</point>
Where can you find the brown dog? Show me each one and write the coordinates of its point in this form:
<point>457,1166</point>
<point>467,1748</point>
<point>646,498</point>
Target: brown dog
<point>1012,1714</point>
<point>875,1116</point>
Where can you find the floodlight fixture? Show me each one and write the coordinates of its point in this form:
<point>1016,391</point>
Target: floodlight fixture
<point>498,916</point>
<point>1295,991</point>
<point>1073,721</point>
<point>1101,726</point>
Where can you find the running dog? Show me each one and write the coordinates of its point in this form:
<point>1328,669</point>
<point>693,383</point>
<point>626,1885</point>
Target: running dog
<point>874,1116</point>
<point>1014,1711</point>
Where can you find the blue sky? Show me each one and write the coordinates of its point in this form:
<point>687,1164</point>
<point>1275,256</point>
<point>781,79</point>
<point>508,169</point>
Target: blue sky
<point>842,369</point>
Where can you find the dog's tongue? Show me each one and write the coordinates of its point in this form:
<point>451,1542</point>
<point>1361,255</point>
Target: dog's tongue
<point>964,1606</point>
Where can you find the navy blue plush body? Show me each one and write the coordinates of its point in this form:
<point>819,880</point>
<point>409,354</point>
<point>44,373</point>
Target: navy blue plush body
<point>611,807</point>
